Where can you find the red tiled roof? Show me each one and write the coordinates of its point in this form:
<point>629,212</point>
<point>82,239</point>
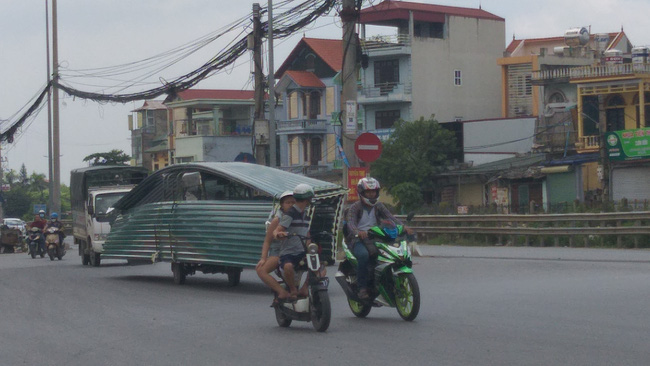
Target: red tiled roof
<point>191,94</point>
<point>614,37</point>
<point>329,50</point>
<point>390,10</point>
<point>305,79</point>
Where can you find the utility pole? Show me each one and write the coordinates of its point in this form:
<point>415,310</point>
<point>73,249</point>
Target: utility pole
<point>50,178</point>
<point>260,153</point>
<point>2,211</point>
<point>56,162</point>
<point>349,16</point>
<point>272,145</point>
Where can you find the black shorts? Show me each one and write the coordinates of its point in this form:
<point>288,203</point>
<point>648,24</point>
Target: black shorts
<point>291,258</point>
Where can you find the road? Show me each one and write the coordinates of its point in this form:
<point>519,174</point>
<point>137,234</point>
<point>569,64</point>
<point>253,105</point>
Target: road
<point>480,306</point>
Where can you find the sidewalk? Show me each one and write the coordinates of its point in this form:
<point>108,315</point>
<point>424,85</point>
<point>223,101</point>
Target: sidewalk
<point>534,253</point>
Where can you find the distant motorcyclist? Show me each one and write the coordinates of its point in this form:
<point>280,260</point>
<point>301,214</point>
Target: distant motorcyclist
<point>40,222</point>
<point>54,222</point>
<point>361,216</point>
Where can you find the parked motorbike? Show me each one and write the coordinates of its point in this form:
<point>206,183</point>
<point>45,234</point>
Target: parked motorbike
<point>34,242</point>
<point>316,306</point>
<point>53,243</point>
<point>392,282</point>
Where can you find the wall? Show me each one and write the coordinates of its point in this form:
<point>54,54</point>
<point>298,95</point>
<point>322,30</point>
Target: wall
<point>471,195</point>
<point>492,140</point>
<point>473,46</point>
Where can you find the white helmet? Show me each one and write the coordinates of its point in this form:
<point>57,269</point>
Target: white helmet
<point>303,192</point>
<point>285,194</point>
<point>368,184</point>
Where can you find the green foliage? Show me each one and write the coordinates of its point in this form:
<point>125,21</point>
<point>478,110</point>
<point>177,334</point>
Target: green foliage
<point>408,196</point>
<point>113,157</point>
<point>28,190</point>
<point>415,153</point>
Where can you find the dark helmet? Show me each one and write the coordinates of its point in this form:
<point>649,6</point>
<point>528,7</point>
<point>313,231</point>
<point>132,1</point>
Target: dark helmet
<point>303,192</point>
<point>368,184</point>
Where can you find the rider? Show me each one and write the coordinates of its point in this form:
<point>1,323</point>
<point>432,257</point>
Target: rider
<point>295,221</point>
<point>271,247</point>
<point>54,222</point>
<point>40,222</point>
<point>361,216</point>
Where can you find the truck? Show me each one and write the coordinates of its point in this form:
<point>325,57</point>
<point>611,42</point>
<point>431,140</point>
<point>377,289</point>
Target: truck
<point>93,192</point>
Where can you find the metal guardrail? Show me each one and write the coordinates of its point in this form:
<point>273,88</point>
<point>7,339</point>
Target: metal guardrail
<point>619,224</point>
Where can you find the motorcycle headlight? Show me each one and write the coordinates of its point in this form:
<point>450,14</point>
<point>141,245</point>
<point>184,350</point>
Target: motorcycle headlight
<point>312,248</point>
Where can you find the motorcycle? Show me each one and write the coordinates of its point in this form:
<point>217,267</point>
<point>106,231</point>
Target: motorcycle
<point>316,306</point>
<point>53,243</point>
<point>392,282</point>
<point>34,243</point>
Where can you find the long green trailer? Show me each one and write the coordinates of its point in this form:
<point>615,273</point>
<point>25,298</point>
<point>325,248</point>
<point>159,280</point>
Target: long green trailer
<point>209,217</point>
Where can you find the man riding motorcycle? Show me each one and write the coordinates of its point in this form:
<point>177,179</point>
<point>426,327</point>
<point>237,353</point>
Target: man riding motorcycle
<point>40,222</point>
<point>361,216</point>
<point>54,222</point>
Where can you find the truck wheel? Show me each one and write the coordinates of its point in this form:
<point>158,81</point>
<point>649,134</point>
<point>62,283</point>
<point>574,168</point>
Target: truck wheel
<point>85,258</point>
<point>95,260</point>
<point>179,273</point>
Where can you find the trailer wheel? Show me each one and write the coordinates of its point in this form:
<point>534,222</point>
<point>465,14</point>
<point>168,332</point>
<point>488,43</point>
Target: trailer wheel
<point>234,275</point>
<point>179,273</point>
<point>95,259</point>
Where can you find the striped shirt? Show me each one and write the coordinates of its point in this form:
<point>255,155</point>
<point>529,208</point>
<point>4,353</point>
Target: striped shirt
<point>294,221</point>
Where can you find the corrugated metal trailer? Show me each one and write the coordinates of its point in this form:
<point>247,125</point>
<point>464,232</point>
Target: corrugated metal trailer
<point>209,217</point>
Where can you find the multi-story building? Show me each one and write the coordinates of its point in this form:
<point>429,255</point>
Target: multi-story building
<point>210,125</point>
<point>311,99</point>
<point>147,130</point>
<point>440,61</point>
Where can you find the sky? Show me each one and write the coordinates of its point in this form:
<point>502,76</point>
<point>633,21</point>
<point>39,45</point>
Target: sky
<point>102,33</point>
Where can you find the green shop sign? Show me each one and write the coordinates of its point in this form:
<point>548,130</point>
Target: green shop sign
<point>628,144</point>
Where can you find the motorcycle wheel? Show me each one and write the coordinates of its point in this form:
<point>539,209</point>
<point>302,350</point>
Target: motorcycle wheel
<point>321,311</point>
<point>33,253</point>
<point>59,252</point>
<point>50,252</point>
<point>407,296</point>
<point>360,310</point>
<point>283,320</point>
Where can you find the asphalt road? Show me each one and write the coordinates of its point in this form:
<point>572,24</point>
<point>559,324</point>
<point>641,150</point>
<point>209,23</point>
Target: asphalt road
<point>480,306</point>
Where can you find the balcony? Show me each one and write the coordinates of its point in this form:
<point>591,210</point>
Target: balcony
<point>587,144</point>
<point>590,72</point>
<point>387,45</point>
<point>302,126</point>
<point>385,92</point>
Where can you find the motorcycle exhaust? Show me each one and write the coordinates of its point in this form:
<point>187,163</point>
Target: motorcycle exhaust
<point>340,278</point>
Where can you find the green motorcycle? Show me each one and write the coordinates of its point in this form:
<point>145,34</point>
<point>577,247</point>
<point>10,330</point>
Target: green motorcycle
<point>391,282</point>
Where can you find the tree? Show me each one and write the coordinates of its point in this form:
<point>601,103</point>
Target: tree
<point>113,157</point>
<point>415,153</point>
<point>23,178</point>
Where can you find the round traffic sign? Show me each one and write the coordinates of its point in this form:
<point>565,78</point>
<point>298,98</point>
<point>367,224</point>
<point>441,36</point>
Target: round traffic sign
<point>367,147</point>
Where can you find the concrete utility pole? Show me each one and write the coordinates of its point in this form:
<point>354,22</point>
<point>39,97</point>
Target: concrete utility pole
<point>50,178</point>
<point>604,158</point>
<point>349,16</point>
<point>272,145</point>
<point>56,161</point>
<point>260,153</point>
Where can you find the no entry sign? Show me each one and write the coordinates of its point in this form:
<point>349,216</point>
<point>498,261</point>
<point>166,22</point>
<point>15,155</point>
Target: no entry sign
<point>367,147</point>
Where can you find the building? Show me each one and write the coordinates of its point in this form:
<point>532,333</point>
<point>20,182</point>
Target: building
<point>210,125</point>
<point>312,102</point>
<point>438,60</point>
<point>147,130</point>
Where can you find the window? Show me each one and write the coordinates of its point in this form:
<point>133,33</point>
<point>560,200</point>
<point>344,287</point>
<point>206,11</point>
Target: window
<point>386,119</point>
<point>386,75</point>
<point>615,113</point>
<point>150,118</point>
<point>457,78</point>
